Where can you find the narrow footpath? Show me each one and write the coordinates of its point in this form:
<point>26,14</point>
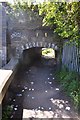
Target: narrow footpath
<point>35,93</point>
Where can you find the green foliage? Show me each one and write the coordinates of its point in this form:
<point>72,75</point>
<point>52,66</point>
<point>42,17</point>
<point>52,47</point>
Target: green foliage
<point>19,5</point>
<point>71,84</point>
<point>6,113</point>
<point>65,16</point>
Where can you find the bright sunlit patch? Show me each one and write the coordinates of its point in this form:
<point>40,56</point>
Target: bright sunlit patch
<point>9,1</point>
<point>25,87</point>
<point>60,104</point>
<point>29,89</point>
<point>32,89</point>
<point>46,91</point>
<point>48,53</point>
<point>57,89</point>
<point>33,97</point>
<point>15,109</point>
<point>37,114</point>
<point>67,108</point>
<point>32,83</point>
<point>50,108</point>
<point>51,99</point>
<point>22,90</point>
<point>14,100</point>
<point>50,82</point>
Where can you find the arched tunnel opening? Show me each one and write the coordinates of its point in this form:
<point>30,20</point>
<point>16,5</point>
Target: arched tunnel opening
<point>46,56</point>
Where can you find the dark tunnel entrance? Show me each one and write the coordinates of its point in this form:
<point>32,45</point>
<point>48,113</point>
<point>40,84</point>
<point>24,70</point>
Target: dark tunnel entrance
<point>47,56</point>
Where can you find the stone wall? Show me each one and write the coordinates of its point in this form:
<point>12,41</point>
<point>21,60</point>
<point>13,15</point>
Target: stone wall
<point>26,31</point>
<point>71,57</point>
<point>2,35</point>
<point>32,38</point>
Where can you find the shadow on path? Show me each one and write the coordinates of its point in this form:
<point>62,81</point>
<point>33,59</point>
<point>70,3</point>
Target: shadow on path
<point>35,93</point>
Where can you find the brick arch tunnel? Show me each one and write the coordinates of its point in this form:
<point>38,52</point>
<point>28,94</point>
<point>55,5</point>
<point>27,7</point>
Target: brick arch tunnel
<point>32,51</point>
<point>20,49</point>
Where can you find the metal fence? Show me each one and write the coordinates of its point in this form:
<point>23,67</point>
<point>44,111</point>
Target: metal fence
<point>71,57</point>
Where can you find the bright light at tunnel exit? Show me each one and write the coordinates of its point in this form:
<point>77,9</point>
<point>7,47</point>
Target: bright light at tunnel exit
<point>48,52</point>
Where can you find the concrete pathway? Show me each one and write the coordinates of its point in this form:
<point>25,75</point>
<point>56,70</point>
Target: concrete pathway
<point>35,93</point>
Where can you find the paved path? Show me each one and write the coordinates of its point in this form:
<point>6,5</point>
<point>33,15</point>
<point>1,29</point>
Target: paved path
<point>36,93</point>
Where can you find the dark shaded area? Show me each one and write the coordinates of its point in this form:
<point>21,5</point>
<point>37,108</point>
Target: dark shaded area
<point>31,55</point>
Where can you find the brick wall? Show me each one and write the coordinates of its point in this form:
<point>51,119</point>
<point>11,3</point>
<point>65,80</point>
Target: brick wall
<point>26,31</point>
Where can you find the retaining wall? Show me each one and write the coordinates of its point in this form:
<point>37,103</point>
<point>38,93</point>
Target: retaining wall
<point>25,31</point>
<point>3,53</point>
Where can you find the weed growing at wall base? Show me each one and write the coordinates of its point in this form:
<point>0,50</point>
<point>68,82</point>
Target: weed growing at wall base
<point>6,113</point>
<point>71,85</point>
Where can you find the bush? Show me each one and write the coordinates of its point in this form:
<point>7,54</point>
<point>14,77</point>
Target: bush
<point>7,112</point>
<point>71,85</point>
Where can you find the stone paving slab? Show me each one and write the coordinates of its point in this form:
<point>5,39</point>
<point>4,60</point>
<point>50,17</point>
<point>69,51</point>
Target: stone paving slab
<point>38,114</point>
<point>4,76</point>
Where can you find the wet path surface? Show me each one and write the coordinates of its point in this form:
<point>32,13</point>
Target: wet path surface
<point>36,93</point>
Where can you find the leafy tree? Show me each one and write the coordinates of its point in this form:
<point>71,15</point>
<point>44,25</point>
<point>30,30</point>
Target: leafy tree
<point>65,16</point>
